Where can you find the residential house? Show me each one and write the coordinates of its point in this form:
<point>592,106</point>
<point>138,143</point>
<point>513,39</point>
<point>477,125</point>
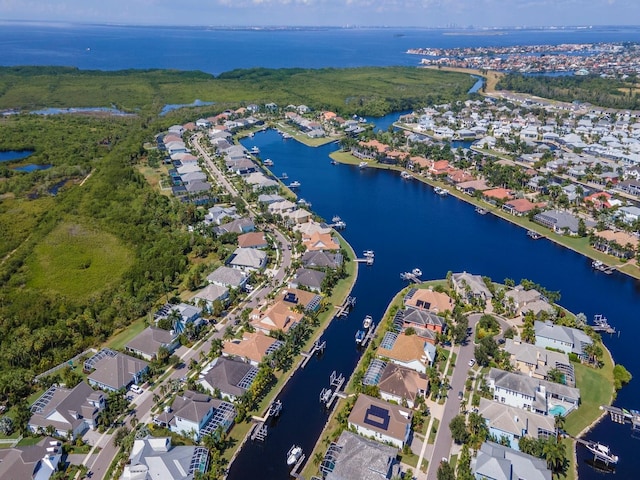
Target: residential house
<point>153,458</point>
<point>148,342</point>
<point>321,259</point>
<point>196,415</point>
<point>268,199</point>
<point>308,278</point>
<point>498,462</point>
<point>309,301</point>
<point>428,299</point>
<point>69,411</point>
<point>497,195</point>
<point>520,206</point>
<point>113,371</point>
<point>298,216</point>
<point>252,347</point>
<point>530,393</point>
<point>206,297</point>
<point>356,458</point>
<point>469,287</point>
<point>253,240</point>
<point>320,242</point>
<point>567,339</point>
<point>247,259</point>
<point>410,351</point>
<point>629,215</point>
<point>33,462</point>
<point>538,361</point>
<point>514,423</point>
<point>401,384</point>
<point>385,422</point>
<point>218,215</point>
<point>277,316</point>
<point>281,207</point>
<point>519,300</point>
<point>228,277</point>
<point>229,376</point>
<point>418,318</point>
<point>560,221</point>
<point>239,225</point>
<point>181,315</point>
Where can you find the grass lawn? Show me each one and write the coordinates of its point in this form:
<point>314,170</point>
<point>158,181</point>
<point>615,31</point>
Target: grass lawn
<point>596,389</point>
<point>77,261</point>
<point>119,340</point>
<point>28,441</point>
<point>408,458</point>
<point>434,431</point>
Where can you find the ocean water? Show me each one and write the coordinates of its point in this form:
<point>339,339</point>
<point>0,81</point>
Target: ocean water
<point>220,50</point>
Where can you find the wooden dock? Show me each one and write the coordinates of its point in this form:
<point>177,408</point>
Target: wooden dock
<point>317,348</point>
<point>297,467</point>
<point>366,260</point>
<point>411,277</point>
<point>259,431</point>
<point>346,307</point>
<point>623,416</point>
<point>328,395</point>
<point>369,335</point>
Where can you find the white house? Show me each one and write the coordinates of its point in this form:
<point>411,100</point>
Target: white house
<point>375,418</point>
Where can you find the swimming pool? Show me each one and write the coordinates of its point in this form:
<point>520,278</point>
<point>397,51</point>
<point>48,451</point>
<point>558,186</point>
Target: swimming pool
<point>556,410</point>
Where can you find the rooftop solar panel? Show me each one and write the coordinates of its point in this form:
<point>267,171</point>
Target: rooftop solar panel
<point>377,417</point>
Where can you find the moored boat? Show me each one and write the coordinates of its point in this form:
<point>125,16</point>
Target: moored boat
<point>405,175</point>
<point>441,191</point>
<point>601,452</point>
<point>360,336</point>
<point>294,454</point>
<point>254,150</point>
<point>533,235</point>
<point>363,165</point>
<point>481,211</point>
<point>417,272</point>
<point>268,162</point>
<point>368,320</point>
<point>294,184</point>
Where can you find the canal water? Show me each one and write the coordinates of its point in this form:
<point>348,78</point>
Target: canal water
<point>409,226</point>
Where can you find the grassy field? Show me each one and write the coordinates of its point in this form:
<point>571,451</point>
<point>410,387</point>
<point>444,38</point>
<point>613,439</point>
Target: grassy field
<point>77,261</point>
<point>18,217</point>
<point>596,389</point>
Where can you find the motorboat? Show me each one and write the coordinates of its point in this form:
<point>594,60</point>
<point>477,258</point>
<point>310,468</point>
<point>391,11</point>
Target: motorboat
<point>360,336</point>
<point>294,184</point>
<point>363,165</point>
<point>601,452</point>
<point>417,272</point>
<point>441,191</point>
<point>406,175</point>
<point>533,235</point>
<point>294,454</point>
<point>254,150</point>
<point>481,211</point>
<point>336,218</point>
<point>368,253</point>
<point>368,320</point>
<point>333,162</point>
<point>268,162</point>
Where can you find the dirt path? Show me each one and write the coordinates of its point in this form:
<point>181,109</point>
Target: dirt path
<point>492,78</point>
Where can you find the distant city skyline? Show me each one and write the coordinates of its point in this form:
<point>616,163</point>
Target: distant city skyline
<point>339,13</point>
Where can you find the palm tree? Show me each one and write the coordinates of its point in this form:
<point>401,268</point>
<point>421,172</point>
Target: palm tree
<point>555,454</point>
<point>317,458</point>
<point>559,422</point>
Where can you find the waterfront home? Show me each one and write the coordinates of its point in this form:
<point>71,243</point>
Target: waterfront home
<point>247,259</point>
<point>497,195</point>
<point>469,287</point>
<point>195,415</point>
<point>401,384</point>
<point>148,342</point>
<point>419,319</point>
<point>356,458</point>
<point>599,200</point>
<point>410,351</point>
<point>385,422</point>
<point>472,186</point>
<point>321,259</point>
<point>113,371</point>
<point>268,199</point>
<point>277,316</point>
<point>560,222</point>
<point>618,243</point>
<point>514,423</point>
<point>252,347</point>
<point>207,296</point>
<point>156,458</point>
<point>537,361</point>
<point>259,181</point>
<point>518,298</point>
<point>279,208</point>
<point>69,412</point>
<point>629,215</point>
<point>428,299</point>
<point>230,377</point>
<point>521,206</point>
<point>496,461</point>
<point>227,277</point>
<point>533,394</point>
<point>308,278</point>
<point>252,240</point>
<point>309,301</point>
<point>40,461</point>
<point>219,214</point>
<point>567,339</point>
<point>298,216</point>
<point>320,242</point>
<point>439,167</point>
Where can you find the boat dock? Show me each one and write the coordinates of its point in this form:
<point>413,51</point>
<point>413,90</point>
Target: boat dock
<point>600,324</point>
<point>534,235</point>
<point>297,467</point>
<point>368,335</point>
<point>368,257</point>
<point>598,265</point>
<point>410,277</point>
<point>328,395</point>
<point>600,452</point>
<point>623,416</point>
<point>259,431</point>
<point>346,307</point>
<point>317,348</point>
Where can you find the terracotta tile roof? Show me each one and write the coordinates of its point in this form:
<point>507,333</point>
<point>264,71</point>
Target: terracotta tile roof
<point>430,300</point>
<point>320,241</point>
<point>251,240</point>
<point>498,193</point>
<point>521,205</point>
<point>405,349</point>
<point>375,144</point>
<point>278,316</point>
<point>252,346</point>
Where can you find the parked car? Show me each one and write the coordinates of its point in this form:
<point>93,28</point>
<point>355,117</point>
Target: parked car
<point>472,362</point>
<point>460,395</point>
<point>136,389</point>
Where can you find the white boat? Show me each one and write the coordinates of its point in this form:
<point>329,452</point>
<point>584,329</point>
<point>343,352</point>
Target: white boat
<point>294,454</point>
<point>368,320</point>
<point>335,219</point>
<point>303,203</point>
<point>481,211</point>
<point>254,150</point>
<point>363,165</point>
<point>333,162</point>
<point>441,191</point>
<point>368,253</point>
<point>268,162</point>
<point>406,175</point>
<point>601,452</point>
<point>284,176</point>
<point>533,235</point>
<point>417,272</point>
<point>294,184</point>
<point>360,336</point>
<point>286,136</point>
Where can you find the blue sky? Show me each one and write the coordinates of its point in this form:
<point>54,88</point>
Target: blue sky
<point>419,13</point>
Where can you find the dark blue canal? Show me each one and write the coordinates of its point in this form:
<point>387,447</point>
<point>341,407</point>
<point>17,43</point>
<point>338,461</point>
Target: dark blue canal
<point>408,226</point>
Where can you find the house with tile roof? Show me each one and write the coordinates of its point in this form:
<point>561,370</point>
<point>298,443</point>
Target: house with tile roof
<point>383,421</point>
<point>537,361</point>
<point>308,278</point>
<point>419,318</point>
<point>470,286</point>
<point>252,240</point>
<point>410,351</point>
<point>280,315</point>
<point>251,348</point>
<point>247,259</point>
<point>228,277</point>
<point>399,384</point>
<point>428,299</point>
<point>36,462</point>
<point>514,423</point>
<point>71,412</point>
<point>495,461</point>
<point>114,371</point>
<point>148,342</point>
<point>320,242</point>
